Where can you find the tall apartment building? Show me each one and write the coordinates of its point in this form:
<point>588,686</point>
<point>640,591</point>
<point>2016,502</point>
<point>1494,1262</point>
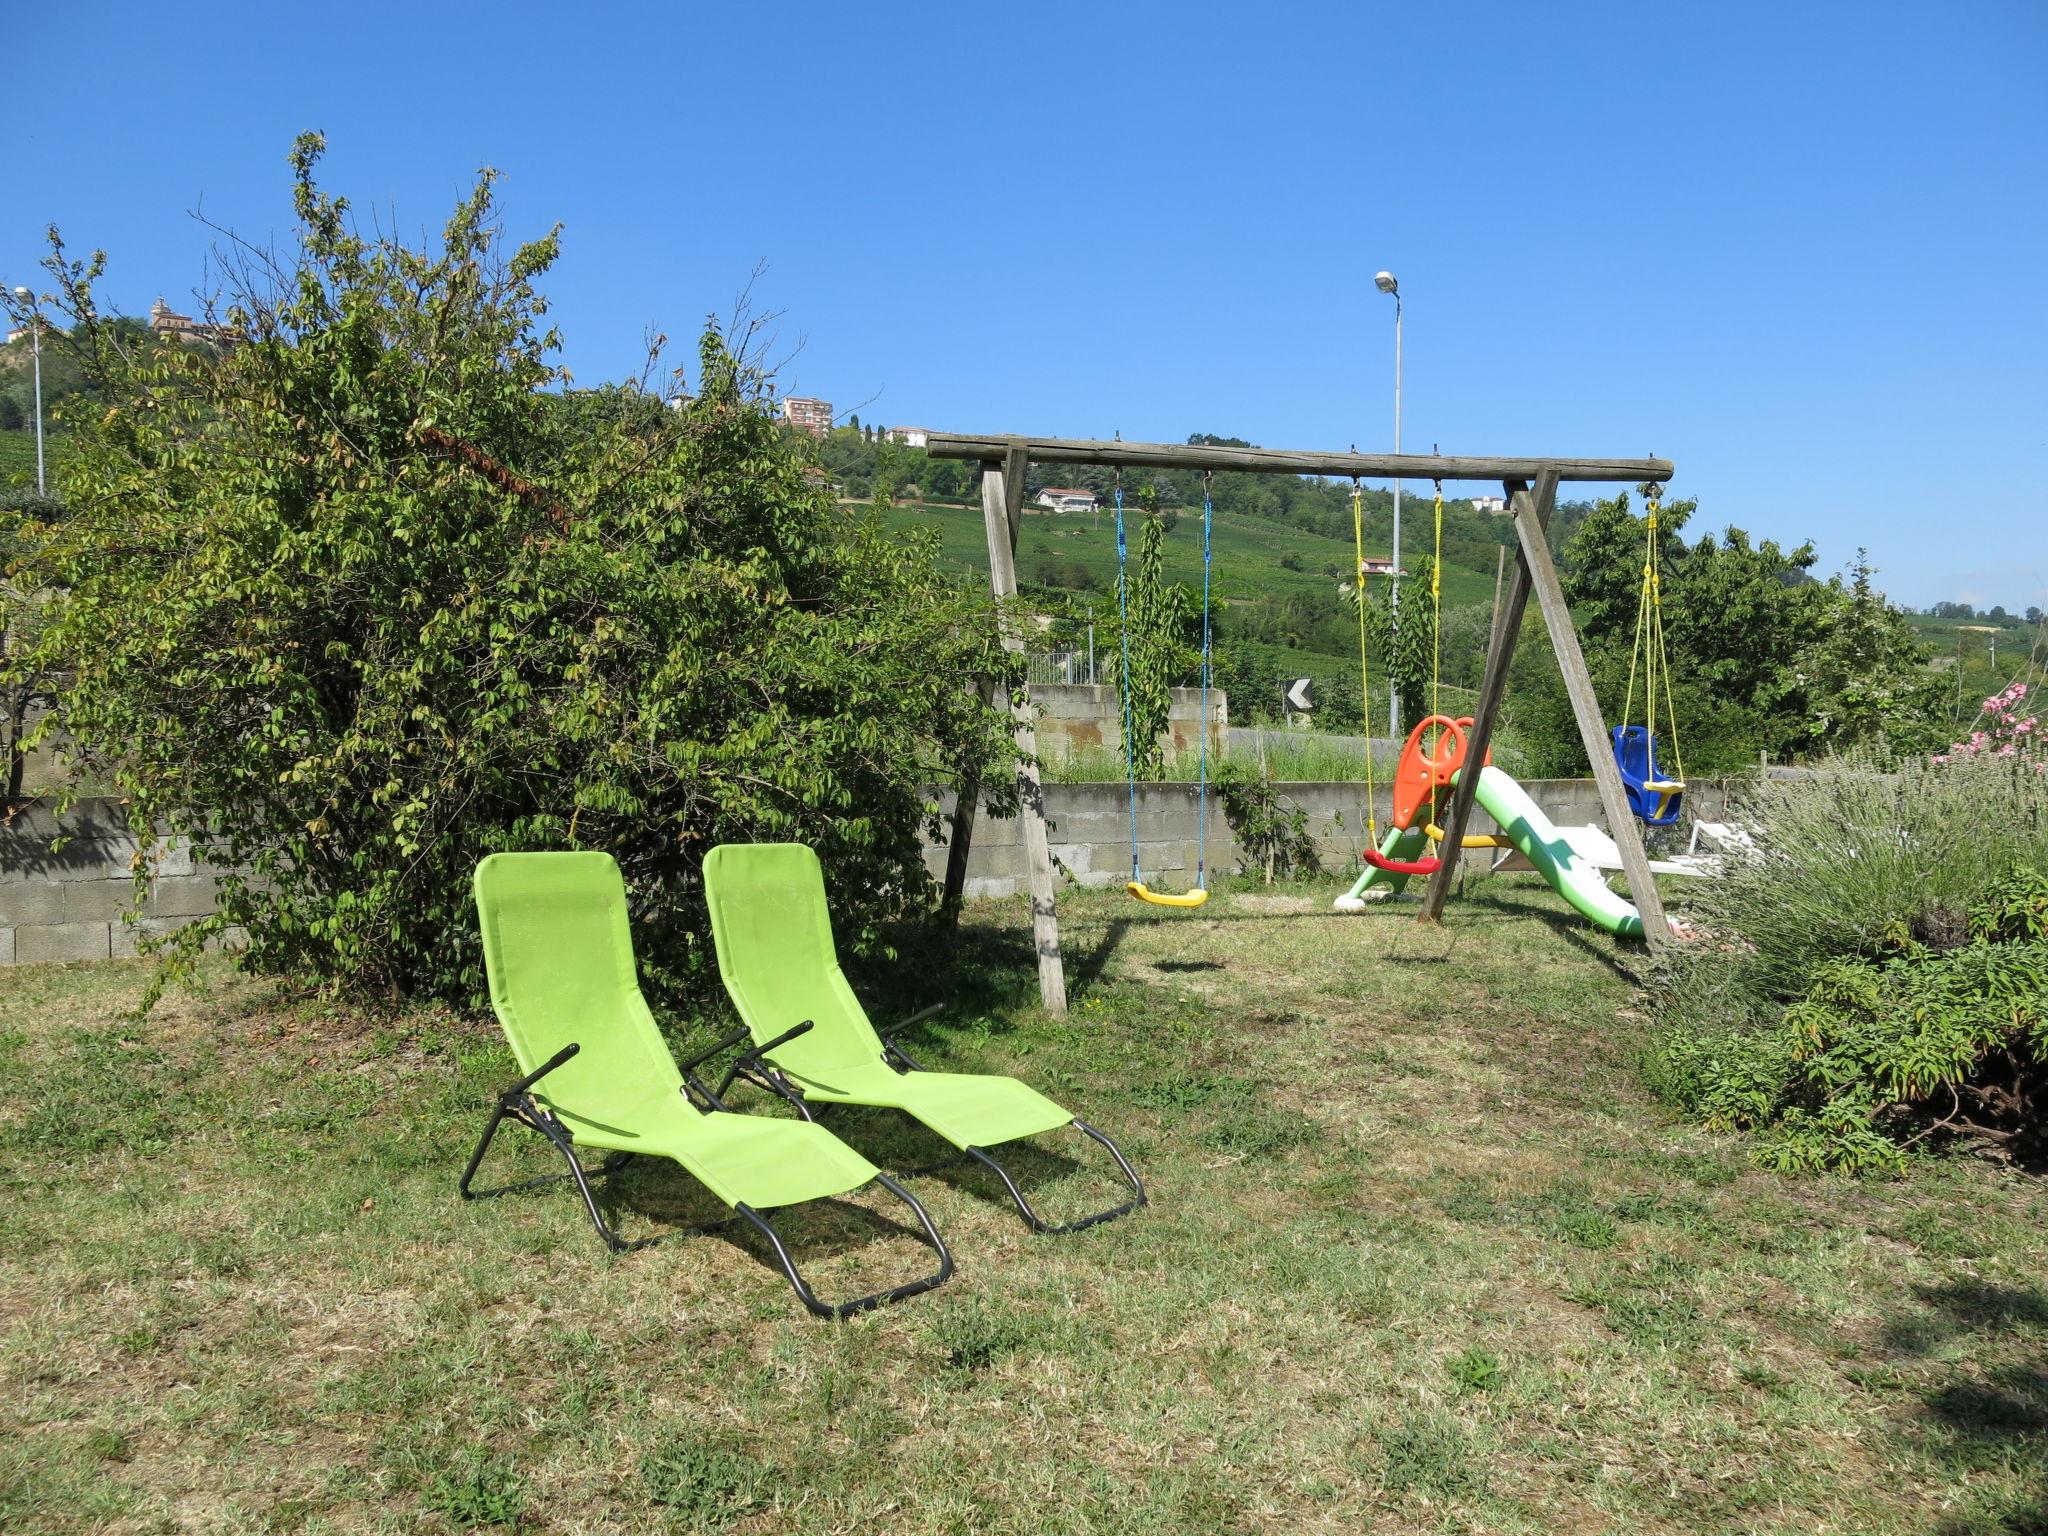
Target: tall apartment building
<point>807,414</point>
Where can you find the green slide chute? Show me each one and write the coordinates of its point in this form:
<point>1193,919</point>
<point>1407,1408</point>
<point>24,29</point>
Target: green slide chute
<point>1536,838</point>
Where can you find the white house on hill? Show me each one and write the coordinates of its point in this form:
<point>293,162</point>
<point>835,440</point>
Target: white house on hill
<point>1066,498</point>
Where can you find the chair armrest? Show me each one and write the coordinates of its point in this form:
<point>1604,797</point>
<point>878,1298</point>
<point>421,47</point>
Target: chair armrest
<point>902,1060</point>
<point>726,1043</point>
<point>898,1057</point>
<point>782,1039</point>
<point>750,1060</point>
<point>541,1071</point>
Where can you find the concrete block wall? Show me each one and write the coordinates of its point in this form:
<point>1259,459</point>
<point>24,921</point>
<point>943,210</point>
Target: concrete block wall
<point>1072,715</point>
<point>1090,827</point>
<point>65,903</point>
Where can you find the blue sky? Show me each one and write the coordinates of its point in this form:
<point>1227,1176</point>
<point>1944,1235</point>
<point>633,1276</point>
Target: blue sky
<point>1799,249</point>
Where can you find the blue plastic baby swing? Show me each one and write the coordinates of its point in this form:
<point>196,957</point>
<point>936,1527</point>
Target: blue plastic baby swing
<point>1655,798</point>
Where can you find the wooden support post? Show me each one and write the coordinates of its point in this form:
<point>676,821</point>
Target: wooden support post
<point>960,835</point>
<point>1578,684</point>
<point>1500,655</point>
<point>1002,506</point>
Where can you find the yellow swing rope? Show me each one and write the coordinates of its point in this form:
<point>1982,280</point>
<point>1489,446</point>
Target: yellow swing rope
<point>1649,647</point>
<point>1436,608</point>
<point>1663,660</point>
<point>1639,648</point>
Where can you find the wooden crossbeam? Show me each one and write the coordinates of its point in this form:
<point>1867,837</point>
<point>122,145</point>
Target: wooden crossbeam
<point>1280,461</point>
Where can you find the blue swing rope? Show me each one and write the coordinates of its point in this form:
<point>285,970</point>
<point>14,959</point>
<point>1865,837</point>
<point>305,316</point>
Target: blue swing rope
<point>1202,725</point>
<point>1123,613</point>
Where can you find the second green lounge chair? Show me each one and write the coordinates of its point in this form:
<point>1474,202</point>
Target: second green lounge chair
<point>559,955</point>
<point>773,930</point>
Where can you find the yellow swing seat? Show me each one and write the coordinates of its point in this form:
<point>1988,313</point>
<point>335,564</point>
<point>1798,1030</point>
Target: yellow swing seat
<point>1664,790</point>
<point>1470,839</point>
<point>1143,892</point>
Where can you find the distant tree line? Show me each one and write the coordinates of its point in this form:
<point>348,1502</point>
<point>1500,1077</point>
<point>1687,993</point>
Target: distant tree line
<point>1963,613</point>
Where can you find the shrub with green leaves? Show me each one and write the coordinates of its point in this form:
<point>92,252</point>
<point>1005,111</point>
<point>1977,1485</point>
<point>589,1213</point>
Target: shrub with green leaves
<point>1272,833</point>
<point>1156,653</point>
<point>1945,1035</point>
<point>1854,861</point>
<point>366,597</point>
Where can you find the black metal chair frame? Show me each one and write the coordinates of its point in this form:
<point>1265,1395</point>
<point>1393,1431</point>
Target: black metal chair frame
<point>518,1104</point>
<point>753,1067</point>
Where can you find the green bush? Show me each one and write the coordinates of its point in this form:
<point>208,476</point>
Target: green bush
<point>1940,1027</point>
<point>1854,863</point>
<point>365,598</point>
<point>1272,834</point>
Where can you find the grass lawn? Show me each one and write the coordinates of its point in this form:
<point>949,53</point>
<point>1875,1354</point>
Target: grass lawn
<point>1421,1257</point>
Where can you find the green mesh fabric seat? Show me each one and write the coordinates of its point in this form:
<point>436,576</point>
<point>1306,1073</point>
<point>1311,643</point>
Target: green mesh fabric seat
<point>558,951</point>
<point>773,932</point>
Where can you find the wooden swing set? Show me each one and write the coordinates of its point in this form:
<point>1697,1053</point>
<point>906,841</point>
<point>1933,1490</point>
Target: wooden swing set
<point>1531,488</point>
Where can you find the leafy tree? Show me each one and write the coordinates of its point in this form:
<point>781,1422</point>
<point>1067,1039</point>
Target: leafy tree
<point>1158,613</point>
<point>25,687</point>
<point>362,600</point>
<point>1865,679</point>
<point>1400,652</point>
<point>67,382</point>
<point>1761,655</point>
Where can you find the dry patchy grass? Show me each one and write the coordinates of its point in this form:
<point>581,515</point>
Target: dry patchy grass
<point>1421,1257</point>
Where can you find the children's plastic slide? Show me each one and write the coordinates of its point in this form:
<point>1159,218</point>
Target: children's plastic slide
<point>1534,836</point>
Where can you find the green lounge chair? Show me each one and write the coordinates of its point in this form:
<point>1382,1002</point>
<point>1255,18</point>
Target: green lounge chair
<point>559,954</point>
<point>774,936</point>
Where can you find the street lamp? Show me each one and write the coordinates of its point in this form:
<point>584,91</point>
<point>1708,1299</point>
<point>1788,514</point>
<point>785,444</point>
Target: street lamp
<point>35,334</point>
<point>1387,283</point>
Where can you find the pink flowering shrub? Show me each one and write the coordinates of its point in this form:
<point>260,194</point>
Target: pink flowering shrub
<point>2006,732</point>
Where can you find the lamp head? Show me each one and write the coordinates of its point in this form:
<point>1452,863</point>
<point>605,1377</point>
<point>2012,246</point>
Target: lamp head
<point>1386,283</point>
<point>22,294</point>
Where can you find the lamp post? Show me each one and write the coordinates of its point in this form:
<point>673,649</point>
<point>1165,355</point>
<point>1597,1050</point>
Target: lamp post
<point>35,341</point>
<point>1388,284</point>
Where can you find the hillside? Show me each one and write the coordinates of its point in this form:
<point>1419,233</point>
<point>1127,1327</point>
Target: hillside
<point>1257,561</point>
<point>1274,590</point>
<point>17,460</point>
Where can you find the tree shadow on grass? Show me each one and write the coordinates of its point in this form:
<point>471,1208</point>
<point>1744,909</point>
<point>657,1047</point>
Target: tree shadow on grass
<point>657,1198</point>
<point>1992,1417</point>
<point>912,1151</point>
<point>977,970</point>
<point>1577,931</point>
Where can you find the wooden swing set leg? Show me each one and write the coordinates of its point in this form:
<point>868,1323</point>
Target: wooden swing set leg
<point>1535,571</point>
